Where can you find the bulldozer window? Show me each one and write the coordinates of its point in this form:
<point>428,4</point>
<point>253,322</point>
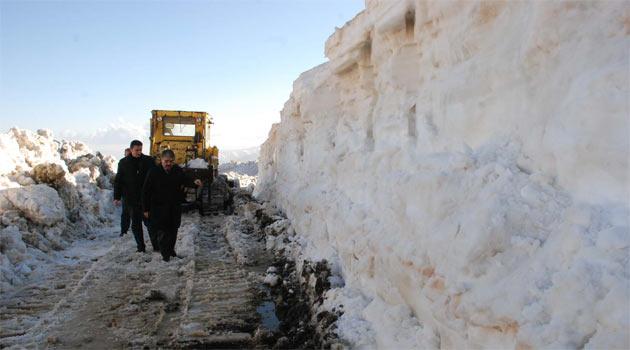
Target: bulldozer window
<point>174,126</point>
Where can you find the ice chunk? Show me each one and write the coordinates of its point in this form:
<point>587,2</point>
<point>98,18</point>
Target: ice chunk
<point>39,203</point>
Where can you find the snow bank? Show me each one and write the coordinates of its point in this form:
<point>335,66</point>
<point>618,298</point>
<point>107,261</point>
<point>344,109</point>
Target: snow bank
<point>51,192</point>
<point>465,165</point>
<point>243,240</point>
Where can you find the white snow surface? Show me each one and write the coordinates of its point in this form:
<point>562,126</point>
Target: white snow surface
<point>465,166</point>
<point>51,193</point>
<point>198,163</point>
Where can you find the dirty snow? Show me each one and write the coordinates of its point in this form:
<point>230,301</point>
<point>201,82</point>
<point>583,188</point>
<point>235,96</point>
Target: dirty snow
<point>465,167</point>
<point>91,278</point>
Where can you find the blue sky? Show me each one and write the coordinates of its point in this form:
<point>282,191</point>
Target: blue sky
<point>85,68</point>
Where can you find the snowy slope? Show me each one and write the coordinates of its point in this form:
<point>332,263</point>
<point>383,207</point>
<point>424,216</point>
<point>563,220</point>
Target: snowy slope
<point>465,165</point>
<point>51,193</point>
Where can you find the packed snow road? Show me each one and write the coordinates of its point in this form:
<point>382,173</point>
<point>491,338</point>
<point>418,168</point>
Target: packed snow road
<point>118,298</point>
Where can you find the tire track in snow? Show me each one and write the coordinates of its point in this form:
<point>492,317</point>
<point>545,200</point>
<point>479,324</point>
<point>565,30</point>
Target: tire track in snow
<point>221,306</point>
<point>42,300</point>
<point>127,299</point>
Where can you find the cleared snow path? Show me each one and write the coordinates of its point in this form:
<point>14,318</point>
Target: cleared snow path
<point>31,306</point>
<point>220,301</point>
<point>121,298</point>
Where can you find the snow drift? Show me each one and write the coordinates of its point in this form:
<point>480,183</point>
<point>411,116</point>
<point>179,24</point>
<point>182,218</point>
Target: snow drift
<point>51,192</point>
<point>465,165</point>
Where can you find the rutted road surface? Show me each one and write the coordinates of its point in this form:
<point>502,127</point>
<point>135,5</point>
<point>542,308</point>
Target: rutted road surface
<point>126,299</point>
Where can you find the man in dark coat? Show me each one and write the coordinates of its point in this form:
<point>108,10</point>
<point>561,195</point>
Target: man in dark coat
<point>162,197</point>
<point>132,171</point>
<point>125,219</point>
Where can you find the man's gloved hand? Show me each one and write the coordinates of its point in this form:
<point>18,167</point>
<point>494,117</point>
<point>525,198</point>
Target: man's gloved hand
<point>146,214</point>
<point>198,182</point>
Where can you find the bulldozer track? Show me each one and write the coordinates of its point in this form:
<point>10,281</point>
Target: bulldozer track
<point>128,300</point>
<point>221,309</point>
<point>26,310</point>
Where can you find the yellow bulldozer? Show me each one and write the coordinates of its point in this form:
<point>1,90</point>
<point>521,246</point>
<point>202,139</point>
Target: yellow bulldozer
<point>187,135</point>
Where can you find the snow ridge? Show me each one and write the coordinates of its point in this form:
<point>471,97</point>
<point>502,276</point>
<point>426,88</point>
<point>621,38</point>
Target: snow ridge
<point>465,166</point>
<point>51,193</point>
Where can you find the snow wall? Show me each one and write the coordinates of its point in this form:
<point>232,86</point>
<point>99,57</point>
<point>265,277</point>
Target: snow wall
<point>51,193</point>
<point>465,165</point>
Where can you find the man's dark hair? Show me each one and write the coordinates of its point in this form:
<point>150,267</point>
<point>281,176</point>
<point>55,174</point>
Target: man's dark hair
<point>167,153</point>
<point>135,143</point>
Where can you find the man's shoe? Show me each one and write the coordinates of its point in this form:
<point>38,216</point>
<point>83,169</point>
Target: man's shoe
<point>140,250</point>
<point>166,258</point>
<point>123,233</point>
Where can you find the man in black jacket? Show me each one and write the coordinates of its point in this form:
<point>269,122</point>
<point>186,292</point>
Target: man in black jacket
<point>125,219</point>
<point>162,196</point>
<point>132,171</point>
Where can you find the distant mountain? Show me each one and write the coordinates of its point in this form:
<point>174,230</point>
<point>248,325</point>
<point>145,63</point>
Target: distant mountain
<point>111,140</point>
<point>239,155</point>
<point>245,168</point>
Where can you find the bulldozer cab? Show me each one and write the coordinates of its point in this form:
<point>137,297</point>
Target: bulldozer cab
<point>185,133</point>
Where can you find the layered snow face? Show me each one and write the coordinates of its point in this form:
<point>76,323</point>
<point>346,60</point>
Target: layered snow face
<point>51,192</point>
<point>466,167</point>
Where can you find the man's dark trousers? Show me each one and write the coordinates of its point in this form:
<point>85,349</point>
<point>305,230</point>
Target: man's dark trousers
<point>167,238</point>
<point>165,223</point>
<point>137,219</point>
<point>125,219</point>
<point>153,236</point>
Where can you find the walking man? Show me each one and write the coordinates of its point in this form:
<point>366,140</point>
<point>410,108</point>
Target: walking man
<point>162,197</point>
<point>125,219</point>
<point>132,171</point>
